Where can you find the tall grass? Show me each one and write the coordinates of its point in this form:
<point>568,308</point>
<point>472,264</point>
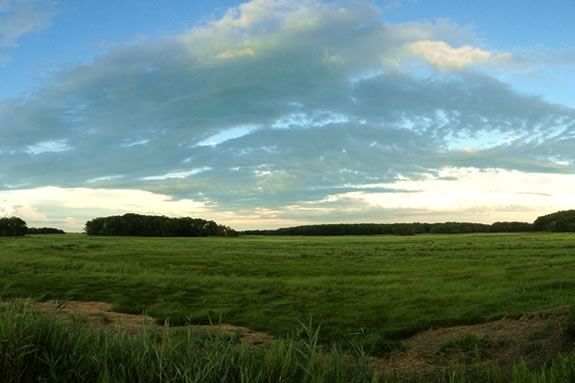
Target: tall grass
<point>34,348</point>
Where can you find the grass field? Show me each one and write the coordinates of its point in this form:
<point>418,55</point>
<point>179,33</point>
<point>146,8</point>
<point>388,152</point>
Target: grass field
<point>383,287</point>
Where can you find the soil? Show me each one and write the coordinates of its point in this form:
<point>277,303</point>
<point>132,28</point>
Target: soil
<point>100,314</point>
<point>533,337</point>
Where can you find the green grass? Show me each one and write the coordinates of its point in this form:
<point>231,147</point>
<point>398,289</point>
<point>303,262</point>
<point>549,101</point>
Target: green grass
<point>34,348</point>
<point>375,288</point>
<point>474,346</point>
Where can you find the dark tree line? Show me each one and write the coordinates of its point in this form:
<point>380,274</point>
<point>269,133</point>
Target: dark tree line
<point>12,227</point>
<point>156,226</point>
<point>397,228</point>
<point>161,226</point>
<point>45,230</point>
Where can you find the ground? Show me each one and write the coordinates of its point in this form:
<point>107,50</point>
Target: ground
<point>373,291</point>
<point>532,337</point>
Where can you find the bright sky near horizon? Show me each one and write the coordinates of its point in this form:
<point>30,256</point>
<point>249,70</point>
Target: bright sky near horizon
<point>268,113</point>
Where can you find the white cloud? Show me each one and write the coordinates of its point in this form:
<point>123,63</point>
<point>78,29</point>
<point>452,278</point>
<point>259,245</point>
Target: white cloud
<point>494,194</point>
<point>104,178</point>
<point>52,146</point>
<point>179,174</point>
<point>444,56</point>
<point>226,135</point>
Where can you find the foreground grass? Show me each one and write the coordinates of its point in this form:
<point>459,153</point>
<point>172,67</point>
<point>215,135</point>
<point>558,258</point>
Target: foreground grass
<point>34,348</point>
<point>357,287</point>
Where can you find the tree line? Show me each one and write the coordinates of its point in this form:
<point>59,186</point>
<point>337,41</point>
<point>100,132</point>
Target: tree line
<point>156,226</point>
<point>45,230</point>
<point>17,227</point>
<point>161,226</point>
<point>396,228</point>
<point>562,221</point>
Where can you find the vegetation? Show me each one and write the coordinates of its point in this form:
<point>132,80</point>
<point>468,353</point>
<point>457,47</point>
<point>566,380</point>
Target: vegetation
<point>44,230</point>
<point>561,221</point>
<point>570,329</point>
<point>476,347</point>
<point>156,226</point>
<point>377,288</point>
<point>12,227</point>
<point>34,348</point>
<point>397,228</point>
<point>511,227</point>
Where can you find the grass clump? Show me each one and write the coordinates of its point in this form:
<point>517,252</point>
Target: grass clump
<point>474,345</point>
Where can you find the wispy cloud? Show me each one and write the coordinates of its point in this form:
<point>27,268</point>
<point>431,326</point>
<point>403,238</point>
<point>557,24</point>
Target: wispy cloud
<point>19,18</point>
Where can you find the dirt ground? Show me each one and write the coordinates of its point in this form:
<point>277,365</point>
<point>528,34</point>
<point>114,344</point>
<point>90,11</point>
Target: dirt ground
<point>533,338</point>
<point>100,314</point>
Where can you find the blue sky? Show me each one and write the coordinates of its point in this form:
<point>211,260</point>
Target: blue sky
<point>79,31</point>
<point>269,113</point>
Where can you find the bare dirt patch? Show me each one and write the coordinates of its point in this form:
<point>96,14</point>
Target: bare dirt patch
<point>100,314</point>
<point>533,338</point>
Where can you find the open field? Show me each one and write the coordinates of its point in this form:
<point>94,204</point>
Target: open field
<point>383,286</point>
<point>367,296</point>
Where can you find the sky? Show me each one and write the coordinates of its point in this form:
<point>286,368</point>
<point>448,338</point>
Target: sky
<point>273,113</point>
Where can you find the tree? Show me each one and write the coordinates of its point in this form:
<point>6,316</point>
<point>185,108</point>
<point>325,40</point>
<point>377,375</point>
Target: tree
<point>12,227</point>
<point>156,226</point>
<point>561,221</point>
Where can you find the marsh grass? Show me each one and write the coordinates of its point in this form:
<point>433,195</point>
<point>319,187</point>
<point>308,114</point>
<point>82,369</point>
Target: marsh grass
<point>35,348</point>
